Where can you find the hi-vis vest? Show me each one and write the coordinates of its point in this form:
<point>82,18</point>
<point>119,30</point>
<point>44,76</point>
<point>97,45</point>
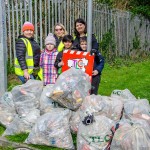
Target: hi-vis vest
<point>29,59</point>
<point>60,47</point>
<point>40,74</point>
<point>74,36</point>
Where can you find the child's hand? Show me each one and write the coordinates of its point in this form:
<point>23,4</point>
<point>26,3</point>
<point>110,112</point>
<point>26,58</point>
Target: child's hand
<point>61,64</point>
<point>42,50</point>
<point>95,72</point>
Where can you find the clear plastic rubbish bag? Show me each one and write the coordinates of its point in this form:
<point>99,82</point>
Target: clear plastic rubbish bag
<point>7,109</point>
<point>102,105</point>
<point>6,101</point>
<point>132,136</point>
<point>137,107</point>
<point>30,88</point>
<point>125,94</point>
<point>95,136</point>
<point>52,129</point>
<point>46,103</point>
<point>71,87</point>
<point>6,117</point>
<point>22,124</point>
<point>97,105</point>
<point>74,121</point>
<point>25,104</point>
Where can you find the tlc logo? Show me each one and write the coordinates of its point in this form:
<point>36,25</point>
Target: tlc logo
<point>78,63</point>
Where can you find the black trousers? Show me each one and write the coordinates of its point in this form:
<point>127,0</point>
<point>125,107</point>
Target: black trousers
<point>95,84</point>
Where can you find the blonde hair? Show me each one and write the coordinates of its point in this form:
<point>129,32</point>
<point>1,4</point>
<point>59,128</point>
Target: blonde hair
<point>63,27</point>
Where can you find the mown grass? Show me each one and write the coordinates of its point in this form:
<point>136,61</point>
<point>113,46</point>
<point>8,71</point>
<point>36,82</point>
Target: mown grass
<point>18,137</point>
<point>130,75</point>
<point>121,74</point>
<point>2,128</point>
<point>8,148</point>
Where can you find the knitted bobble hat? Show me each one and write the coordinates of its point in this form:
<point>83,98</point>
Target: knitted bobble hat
<point>27,26</point>
<point>50,39</point>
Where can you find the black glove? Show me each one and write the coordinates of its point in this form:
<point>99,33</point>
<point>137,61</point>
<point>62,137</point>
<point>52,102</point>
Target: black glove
<point>94,51</point>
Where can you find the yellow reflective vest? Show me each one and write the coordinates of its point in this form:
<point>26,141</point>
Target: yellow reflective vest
<point>60,47</point>
<point>28,57</point>
<point>40,74</point>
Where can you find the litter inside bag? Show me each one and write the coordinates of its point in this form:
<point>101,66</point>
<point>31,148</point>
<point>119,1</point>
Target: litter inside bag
<point>96,135</point>
<point>97,105</point>
<point>6,117</point>
<point>74,121</point>
<point>71,87</point>
<point>7,109</point>
<point>137,107</point>
<point>6,101</point>
<point>22,124</point>
<point>108,106</point>
<point>131,136</point>
<point>25,103</point>
<point>52,129</point>
<point>126,94</point>
<point>46,103</point>
<point>30,88</point>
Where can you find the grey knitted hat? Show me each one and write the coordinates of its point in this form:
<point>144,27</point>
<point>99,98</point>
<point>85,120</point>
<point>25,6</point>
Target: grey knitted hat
<point>50,39</point>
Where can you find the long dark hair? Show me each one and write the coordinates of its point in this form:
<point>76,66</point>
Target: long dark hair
<point>79,20</point>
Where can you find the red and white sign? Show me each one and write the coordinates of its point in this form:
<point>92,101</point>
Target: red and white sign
<point>79,60</point>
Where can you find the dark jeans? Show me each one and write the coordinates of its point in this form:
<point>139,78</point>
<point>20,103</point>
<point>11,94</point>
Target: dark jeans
<point>23,79</point>
<point>95,84</point>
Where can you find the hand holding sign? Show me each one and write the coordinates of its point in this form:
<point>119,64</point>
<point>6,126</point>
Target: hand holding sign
<point>95,72</point>
<point>61,64</point>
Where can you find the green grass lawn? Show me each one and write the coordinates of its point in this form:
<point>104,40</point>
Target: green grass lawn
<point>122,74</point>
<point>134,76</point>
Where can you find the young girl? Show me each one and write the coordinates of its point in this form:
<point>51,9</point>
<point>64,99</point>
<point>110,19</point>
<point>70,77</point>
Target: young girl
<point>47,60</point>
<point>67,41</point>
<point>98,65</point>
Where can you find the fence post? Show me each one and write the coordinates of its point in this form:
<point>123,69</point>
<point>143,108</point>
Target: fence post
<point>30,11</point>
<point>89,25</point>
<point>3,50</point>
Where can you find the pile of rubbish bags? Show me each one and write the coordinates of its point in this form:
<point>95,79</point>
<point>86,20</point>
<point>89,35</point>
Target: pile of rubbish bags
<point>51,113</point>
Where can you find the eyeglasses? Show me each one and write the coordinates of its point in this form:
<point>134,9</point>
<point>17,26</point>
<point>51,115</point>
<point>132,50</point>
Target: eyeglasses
<point>59,29</point>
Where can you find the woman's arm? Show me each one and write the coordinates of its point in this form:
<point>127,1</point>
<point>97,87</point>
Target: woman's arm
<point>21,54</point>
<point>95,44</point>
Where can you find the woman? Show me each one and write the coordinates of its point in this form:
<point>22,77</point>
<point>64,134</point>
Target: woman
<point>80,38</point>
<point>59,33</point>
<point>27,53</point>
<point>81,31</point>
